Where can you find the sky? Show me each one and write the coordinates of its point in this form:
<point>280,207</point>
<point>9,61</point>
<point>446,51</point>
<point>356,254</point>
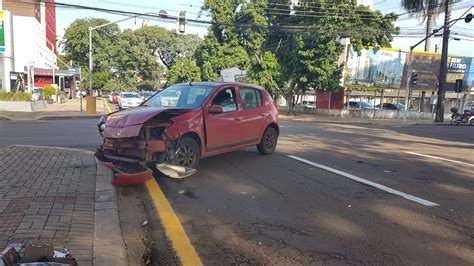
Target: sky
<point>65,16</point>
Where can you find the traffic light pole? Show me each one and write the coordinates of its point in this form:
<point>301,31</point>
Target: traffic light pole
<point>410,58</point>
<point>443,67</point>
<point>444,58</point>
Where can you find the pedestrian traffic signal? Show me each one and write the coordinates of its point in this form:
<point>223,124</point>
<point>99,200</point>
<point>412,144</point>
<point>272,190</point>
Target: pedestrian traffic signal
<point>414,78</point>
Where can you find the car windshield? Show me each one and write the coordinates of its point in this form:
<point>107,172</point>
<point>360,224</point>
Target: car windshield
<point>366,105</point>
<point>130,95</point>
<point>181,96</point>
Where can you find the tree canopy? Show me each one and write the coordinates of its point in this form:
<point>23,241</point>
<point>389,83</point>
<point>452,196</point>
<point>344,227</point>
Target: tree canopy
<point>131,57</point>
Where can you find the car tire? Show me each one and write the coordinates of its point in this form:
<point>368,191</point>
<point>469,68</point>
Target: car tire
<point>269,141</point>
<point>188,153</point>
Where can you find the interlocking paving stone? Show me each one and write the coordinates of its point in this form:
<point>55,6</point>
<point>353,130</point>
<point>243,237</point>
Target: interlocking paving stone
<point>48,196</point>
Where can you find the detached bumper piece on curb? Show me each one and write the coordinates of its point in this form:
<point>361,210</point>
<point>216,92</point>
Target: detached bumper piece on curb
<point>127,172</point>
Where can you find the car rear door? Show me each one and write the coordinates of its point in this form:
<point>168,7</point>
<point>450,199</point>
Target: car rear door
<point>223,130</point>
<point>253,113</point>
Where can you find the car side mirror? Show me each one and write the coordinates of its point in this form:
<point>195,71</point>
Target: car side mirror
<point>215,109</point>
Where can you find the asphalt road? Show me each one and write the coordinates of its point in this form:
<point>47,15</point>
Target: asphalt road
<point>80,133</point>
<point>246,208</point>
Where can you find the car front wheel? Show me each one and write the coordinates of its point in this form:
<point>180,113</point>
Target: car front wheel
<point>188,153</point>
<point>269,141</point>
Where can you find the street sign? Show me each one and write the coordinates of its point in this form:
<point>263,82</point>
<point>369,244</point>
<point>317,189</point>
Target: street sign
<point>74,71</point>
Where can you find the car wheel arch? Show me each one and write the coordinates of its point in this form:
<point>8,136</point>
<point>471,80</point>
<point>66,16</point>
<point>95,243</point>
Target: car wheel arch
<point>272,124</point>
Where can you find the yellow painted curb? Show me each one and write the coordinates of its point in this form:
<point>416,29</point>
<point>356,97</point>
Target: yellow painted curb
<point>107,105</point>
<point>173,228</point>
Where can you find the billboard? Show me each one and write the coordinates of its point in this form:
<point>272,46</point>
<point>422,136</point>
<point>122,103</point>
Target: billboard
<point>427,66</point>
<point>2,33</point>
<point>386,68</point>
<point>377,68</point>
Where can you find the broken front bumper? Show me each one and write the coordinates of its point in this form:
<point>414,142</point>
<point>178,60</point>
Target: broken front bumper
<point>127,171</point>
<point>128,159</point>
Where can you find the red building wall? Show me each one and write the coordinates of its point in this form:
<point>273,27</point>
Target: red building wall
<point>337,99</point>
<point>50,18</point>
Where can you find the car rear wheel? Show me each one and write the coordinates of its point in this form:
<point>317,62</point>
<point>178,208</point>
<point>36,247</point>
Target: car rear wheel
<point>269,141</point>
<point>188,153</point>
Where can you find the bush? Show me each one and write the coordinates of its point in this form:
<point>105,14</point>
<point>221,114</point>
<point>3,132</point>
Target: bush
<point>48,91</point>
<point>15,96</point>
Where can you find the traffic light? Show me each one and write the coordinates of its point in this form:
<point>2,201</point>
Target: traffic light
<point>458,86</point>
<point>414,78</point>
<point>181,22</point>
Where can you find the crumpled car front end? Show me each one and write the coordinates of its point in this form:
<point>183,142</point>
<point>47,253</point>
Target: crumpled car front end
<point>136,139</point>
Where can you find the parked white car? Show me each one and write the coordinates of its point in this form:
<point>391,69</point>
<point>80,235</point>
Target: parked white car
<point>129,99</point>
<point>37,94</point>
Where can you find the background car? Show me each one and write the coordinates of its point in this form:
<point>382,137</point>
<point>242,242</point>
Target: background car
<point>112,95</point>
<point>37,94</point>
<point>391,106</point>
<point>129,99</point>
<point>147,94</point>
<point>360,105</point>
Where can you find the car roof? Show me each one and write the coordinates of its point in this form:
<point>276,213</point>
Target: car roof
<point>220,84</point>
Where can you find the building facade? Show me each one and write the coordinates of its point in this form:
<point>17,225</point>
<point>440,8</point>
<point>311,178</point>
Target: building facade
<point>32,35</point>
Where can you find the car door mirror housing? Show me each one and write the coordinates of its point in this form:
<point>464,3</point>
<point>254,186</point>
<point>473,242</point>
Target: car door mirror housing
<point>215,109</point>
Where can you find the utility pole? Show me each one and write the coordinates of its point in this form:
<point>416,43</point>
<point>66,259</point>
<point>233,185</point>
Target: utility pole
<point>444,63</point>
<point>90,62</point>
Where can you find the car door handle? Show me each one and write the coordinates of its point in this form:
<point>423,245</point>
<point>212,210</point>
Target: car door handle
<point>264,114</point>
<point>238,119</point>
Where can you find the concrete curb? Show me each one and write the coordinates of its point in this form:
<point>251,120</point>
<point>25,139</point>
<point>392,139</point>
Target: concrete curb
<point>109,247</point>
<point>368,122</point>
<point>8,118</point>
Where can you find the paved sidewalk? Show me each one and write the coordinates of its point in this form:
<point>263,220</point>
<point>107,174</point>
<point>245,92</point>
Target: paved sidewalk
<point>68,110</point>
<point>62,197</point>
<point>349,120</point>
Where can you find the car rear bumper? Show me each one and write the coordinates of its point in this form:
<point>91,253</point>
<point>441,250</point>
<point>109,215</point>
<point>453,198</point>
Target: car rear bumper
<point>129,105</point>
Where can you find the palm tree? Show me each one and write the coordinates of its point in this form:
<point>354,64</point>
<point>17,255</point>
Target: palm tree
<point>426,10</point>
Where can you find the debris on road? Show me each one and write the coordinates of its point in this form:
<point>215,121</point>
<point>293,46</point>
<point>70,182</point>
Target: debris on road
<point>175,171</point>
<point>144,223</point>
<point>18,254</point>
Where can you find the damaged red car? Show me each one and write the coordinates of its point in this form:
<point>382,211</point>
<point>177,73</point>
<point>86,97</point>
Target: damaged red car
<point>177,127</point>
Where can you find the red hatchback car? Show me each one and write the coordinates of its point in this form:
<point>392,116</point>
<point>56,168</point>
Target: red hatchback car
<point>186,122</point>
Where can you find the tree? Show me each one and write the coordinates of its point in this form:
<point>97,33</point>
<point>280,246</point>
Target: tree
<point>426,10</point>
<point>166,44</point>
<point>306,40</point>
<point>184,70</point>
<point>100,79</point>
<point>76,43</point>
<point>222,47</point>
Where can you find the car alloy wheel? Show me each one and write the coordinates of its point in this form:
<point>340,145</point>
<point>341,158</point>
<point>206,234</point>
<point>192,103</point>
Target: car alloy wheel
<point>269,141</point>
<point>188,153</point>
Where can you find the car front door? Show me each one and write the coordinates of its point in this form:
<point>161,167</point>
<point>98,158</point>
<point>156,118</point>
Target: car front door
<point>253,114</point>
<point>223,130</point>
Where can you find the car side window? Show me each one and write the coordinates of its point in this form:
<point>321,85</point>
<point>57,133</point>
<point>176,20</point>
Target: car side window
<point>226,100</point>
<point>251,98</point>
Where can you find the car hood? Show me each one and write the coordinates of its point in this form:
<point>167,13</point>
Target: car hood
<point>136,116</point>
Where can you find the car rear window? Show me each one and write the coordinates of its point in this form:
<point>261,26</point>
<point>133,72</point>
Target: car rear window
<point>251,98</point>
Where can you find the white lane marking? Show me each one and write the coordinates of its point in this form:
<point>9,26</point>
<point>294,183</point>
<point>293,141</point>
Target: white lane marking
<point>439,158</point>
<point>367,182</point>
